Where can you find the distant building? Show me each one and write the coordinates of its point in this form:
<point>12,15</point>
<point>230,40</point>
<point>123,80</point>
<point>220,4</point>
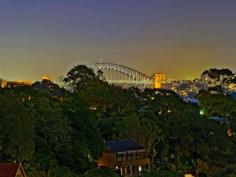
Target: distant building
<point>159,78</point>
<point>167,85</point>
<point>3,83</point>
<point>17,83</point>
<point>127,157</point>
<point>11,170</point>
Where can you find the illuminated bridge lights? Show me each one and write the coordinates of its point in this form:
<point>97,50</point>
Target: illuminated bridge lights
<point>122,75</point>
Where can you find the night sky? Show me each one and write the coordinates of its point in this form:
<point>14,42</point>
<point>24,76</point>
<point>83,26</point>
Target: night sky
<point>178,37</point>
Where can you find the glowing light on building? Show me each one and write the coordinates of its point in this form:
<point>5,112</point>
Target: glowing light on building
<point>159,78</point>
<point>46,77</point>
<point>140,169</point>
<point>5,83</point>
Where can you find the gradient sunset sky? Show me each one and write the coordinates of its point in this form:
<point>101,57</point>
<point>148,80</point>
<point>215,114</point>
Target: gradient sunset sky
<point>178,37</point>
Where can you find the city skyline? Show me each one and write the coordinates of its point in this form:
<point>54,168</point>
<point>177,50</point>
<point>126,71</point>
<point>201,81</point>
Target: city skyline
<point>180,39</point>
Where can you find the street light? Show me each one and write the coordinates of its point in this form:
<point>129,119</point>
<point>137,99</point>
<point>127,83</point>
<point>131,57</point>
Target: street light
<point>201,112</point>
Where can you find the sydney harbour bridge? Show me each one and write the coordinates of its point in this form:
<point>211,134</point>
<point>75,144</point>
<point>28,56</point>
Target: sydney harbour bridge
<point>124,76</point>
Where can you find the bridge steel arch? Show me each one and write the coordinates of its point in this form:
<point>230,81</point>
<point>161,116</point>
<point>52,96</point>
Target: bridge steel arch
<point>131,77</point>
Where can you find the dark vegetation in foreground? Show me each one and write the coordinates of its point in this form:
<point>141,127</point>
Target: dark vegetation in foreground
<point>57,133</point>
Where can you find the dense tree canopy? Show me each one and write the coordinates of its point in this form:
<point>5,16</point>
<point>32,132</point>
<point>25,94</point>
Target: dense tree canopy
<point>16,131</point>
<point>216,103</point>
<point>216,74</point>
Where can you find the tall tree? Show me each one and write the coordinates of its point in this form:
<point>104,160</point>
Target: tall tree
<point>16,131</point>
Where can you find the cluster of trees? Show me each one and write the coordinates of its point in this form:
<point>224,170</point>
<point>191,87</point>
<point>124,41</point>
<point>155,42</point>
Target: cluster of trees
<point>223,75</point>
<point>61,133</point>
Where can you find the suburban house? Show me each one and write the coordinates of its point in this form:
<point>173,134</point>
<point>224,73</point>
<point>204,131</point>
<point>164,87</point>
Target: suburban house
<point>11,170</point>
<point>127,157</point>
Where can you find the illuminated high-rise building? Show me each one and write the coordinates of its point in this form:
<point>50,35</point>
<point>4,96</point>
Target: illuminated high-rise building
<point>159,78</point>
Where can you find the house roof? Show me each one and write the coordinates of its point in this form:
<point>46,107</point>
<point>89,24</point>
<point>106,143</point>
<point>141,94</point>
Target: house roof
<point>8,169</point>
<point>122,146</point>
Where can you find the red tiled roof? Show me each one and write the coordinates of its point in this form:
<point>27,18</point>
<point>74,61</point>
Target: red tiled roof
<point>8,169</point>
